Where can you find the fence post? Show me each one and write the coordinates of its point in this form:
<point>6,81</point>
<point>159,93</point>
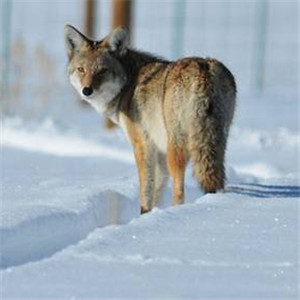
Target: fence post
<point>260,45</point>
<point>5,57</point>
<point>121,17</point>
<point>178,28</point>
<point>90,17</point>
<point>122,14</point>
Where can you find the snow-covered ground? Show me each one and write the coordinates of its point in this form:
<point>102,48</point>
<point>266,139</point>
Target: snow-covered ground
<point>70,225</point>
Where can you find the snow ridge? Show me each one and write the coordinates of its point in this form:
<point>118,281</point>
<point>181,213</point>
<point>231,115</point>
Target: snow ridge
<point>40,237</point>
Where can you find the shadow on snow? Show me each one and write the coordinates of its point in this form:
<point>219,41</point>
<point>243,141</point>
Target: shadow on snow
<point>265,191</point>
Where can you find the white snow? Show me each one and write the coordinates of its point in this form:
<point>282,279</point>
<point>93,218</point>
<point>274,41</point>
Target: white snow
<point>50,141</point>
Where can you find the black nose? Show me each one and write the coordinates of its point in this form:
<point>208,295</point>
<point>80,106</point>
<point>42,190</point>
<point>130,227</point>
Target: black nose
<point>87,91</point>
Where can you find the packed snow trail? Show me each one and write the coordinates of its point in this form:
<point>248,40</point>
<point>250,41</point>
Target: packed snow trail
<point>51,208</point>
<point>52,202</point>
<point>224,245</point>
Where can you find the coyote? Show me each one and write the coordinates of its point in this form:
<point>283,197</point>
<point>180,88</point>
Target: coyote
<point>171,111</point>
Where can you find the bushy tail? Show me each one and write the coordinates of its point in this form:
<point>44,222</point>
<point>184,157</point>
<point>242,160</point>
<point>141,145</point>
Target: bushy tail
<point>207,143</point>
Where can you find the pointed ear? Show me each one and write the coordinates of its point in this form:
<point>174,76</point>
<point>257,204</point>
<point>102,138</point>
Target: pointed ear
<point>119,40</point>
<point>73,39</point>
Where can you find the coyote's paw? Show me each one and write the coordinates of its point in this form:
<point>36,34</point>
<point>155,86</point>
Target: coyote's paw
<point>144,210</point>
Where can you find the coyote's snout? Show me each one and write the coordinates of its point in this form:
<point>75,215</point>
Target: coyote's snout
<point>172,111</point>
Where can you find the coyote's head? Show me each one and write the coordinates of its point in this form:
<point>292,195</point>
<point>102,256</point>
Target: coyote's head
<point>94,67</point>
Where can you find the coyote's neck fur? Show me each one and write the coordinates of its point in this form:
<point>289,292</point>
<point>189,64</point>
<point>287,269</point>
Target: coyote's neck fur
<point>133,61</point>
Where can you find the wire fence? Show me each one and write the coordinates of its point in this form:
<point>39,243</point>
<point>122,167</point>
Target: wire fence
<point>257,40</point>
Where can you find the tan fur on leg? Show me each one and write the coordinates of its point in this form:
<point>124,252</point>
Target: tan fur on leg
<point>177,163</point>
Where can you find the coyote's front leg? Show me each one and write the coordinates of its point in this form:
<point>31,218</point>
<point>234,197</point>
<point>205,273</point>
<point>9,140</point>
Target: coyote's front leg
<point>144,156</point>
<point>161,177</point>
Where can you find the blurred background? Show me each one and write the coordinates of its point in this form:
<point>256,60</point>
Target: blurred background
<point>257,40</point>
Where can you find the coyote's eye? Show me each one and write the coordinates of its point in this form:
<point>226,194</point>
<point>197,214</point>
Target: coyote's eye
<point>80,70</point>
